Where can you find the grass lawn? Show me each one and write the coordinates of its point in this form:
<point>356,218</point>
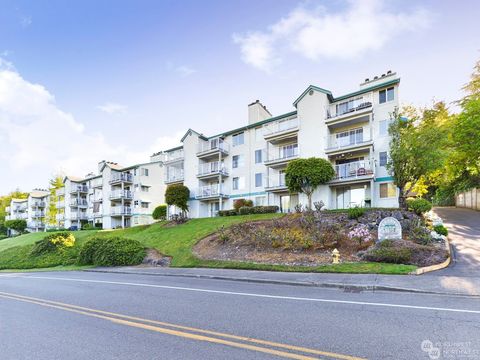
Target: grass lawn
<point>175,241</point>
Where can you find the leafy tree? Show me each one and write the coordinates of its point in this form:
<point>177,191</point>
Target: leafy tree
<point>52,211</point>
<point>177,195</point>
<point>160,212</point>
<point>17,225</point>
<point>305,175</point>
<point>6,199</point>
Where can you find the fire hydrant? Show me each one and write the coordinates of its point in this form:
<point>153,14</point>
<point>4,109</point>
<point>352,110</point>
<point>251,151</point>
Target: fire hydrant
<point>335,256</point>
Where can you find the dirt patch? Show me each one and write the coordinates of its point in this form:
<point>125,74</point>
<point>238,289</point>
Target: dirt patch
<point>155,258</point>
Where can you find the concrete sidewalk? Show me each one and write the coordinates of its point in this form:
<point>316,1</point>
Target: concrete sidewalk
<point>447,285</point>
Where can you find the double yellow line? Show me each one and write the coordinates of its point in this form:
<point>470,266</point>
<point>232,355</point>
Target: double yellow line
<point>263,346</point>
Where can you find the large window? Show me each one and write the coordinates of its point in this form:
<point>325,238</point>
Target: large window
<point>238,139</point>
<point>144,172</point>
<point>258,156</point>
<point>388,190</point>
<point>237,161</point>
<point>386,95</point>
<point>260,201</point>
<point>258,179</point>
<point>238,183</point>
<point>383,158</point>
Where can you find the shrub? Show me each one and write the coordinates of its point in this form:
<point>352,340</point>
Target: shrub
<point>360,234</point>
<point>440,229</point>
<point>239,203</point>
<point>245,210</point>
<point>355,212</point>
<point>265,209</point>
<point>178,219</point>
<point>114,251</point>
<point>88,226</point>
<point>388,252</point>
<point>52,242</point>
<point>419,205</point>
<point>17,225</point>
<point>177,195</point>
<point>160,212</point>
<point>227,212</point>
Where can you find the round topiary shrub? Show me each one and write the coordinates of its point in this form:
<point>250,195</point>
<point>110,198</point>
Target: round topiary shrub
<point>160,212</point>
<point>419,205</point>
<point>52,242</point>
<point>114,251</point>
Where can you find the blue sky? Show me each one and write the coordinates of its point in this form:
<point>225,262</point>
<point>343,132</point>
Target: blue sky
<point>118,80</point>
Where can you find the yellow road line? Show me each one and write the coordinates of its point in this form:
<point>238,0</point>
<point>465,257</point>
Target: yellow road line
<point>94,312</point>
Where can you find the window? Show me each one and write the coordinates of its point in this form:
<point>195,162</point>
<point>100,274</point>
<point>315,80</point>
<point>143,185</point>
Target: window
<point>238,183</point>
<point>237,161</point>
<point>258,156</point>
<point>260,200</point>
<point>259,134</point>
<point>383,127</point>
<point>387,190</point>
<point>145,205</point>
<point>135,203</point>
<point>386,95</point>
<point>258,179</point>
<point>143,172</point>
<point>383,158</point>
<point>238,139</point>
<point>144,188</point>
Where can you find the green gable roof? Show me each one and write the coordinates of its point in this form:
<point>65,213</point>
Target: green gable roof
<point>314,88</point>
<point>368,89</point>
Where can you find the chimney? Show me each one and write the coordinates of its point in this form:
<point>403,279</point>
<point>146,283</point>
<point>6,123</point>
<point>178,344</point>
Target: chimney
<point>257,112</point>
<point>100,165</point>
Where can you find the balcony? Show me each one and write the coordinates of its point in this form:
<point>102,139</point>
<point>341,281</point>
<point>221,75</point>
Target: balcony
<point>18,216</point>
<point>174,177</point>
<point>276,184</point>
<point>121,211</point>
<point>174,157</point>
<point>79,202</point>
<point>20,208</point>
<point>209,192</point>
<point>118,178</point>
<point>349,140</point>
<point>348,109</point>
<point>211,170</point>
<point>281,131</point>
<point>35,225</point>
<point>38,214</point>
<point>353,171</point>
<point>79,189</point>
<point>121,194</point>
<point>97,183</point>
<point>76,216</point>
<point>278,157</point>
<point>60,217</point>
<point>38,204</point>
<point>60,192</point>
<point>213,149</point>
<point>60,204</point>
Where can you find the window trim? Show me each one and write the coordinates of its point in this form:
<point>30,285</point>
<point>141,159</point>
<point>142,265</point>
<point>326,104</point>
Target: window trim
<point>380,158</point>
<point>380,191</point>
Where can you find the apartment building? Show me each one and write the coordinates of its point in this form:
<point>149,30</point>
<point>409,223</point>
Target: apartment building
<point>33,210</point>
<point>350,130</point>
<point>116,197</point>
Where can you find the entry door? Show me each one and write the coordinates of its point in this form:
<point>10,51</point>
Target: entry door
<point>285,203</point>
<point>214,208</point>
<point>342,197</point>
<point>357,196</point>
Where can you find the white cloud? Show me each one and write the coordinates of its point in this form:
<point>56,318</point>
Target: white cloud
<point>316,33</point>
<point>113,108</point>
<point>185,70</point>
<point>25,21</point>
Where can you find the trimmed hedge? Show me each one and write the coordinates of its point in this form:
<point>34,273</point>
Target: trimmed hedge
<point>227,213</point>
<point>440,229</point>
<point>114,251</point>
<point>247,210</point>
<point>52,242</point>
<point>160,212</point>
<point>388,252</point>
<point>419,205</point>
<point>355,212</point>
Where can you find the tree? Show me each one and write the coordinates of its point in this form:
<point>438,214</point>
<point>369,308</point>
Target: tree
<point>51,216</point>
<point>160,212</point>
<point>6,199</point>
<point>177,195</point>
<point>17,225</point>
<point>305,175</point>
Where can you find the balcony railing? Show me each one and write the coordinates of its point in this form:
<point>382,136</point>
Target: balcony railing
<point>281,126</point>
<point>79,188</point>
<point>60,217</point>
<point>38,214</point>
<point>212,168</point>
<point>209,191</point>
<point>18,216</point>
<point>282,153</point>
<point>35,225</point>
<point>174,156</point>
<point>78,202</point>
<point>349,106</point>
<point>60,204</point>
<point>354,170</point>
<point>121,177</point>
<point>121,194</point>
<point>38,204</point>
<point>78,216</point>
<point>213,146</point>
<point>174,176</point>
<point>20,208</point>
<point>275,182</point>
<point>349,138</point>
<point>120,210</point>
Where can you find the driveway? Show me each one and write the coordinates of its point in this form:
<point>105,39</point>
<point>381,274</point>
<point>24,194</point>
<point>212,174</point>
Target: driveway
<point>464,232</point>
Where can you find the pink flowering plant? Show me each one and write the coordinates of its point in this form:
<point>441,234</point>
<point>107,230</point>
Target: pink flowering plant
<point>360,233</point>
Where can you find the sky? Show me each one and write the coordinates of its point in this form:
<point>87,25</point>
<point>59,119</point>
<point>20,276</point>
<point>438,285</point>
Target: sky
<point>85,81</point>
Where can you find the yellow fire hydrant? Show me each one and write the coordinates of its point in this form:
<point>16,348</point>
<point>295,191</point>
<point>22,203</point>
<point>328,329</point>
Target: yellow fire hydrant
<point>335,256</point>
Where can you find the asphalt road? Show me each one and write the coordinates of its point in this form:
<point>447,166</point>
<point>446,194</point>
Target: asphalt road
<point>77,315</point>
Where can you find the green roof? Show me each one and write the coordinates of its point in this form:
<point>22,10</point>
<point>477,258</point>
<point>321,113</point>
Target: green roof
<point>368,89</point>
<point>315,88</point>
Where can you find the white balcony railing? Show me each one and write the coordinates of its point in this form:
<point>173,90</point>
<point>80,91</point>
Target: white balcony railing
<point>276,181</point>
<point>214,167</point>
<point>20,208</point>
<point>281,126</point>
<point>37,214</point>
<point>38,204</point>
<point>18,216</point>
<point>349,138</point>
<point>207,191</point>
<point>60,204</point>
<point>282,153</point>
<point>79,188</point>
<point>78,216</point>
<point>119,194</point>
<point>78,202</point>
<point>174,174</point>
<point>213,145</point>
<point>354,169</point>
<point>121,177</point>
<point>349,106</point>
<point>121,210</point>
<point>174,155</point>
<point>60,217</point>
<point>35,224</point>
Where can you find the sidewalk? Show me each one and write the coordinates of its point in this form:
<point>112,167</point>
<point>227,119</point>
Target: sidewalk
<point>446,285</point>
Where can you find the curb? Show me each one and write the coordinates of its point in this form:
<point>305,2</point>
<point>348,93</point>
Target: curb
<point>436,267</point>
<point>341,286</point>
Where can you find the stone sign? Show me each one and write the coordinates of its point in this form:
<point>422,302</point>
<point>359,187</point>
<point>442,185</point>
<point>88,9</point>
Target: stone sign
<point>389,228</point>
